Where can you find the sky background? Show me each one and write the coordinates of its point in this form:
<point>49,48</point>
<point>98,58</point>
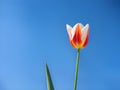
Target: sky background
<point>33,33</point>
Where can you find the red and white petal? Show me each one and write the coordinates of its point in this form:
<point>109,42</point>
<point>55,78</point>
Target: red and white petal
<point>76,27</point>
<point>73,30</point>
<point>81,25</point>
<point>84,32</point>
<point>86,41</point>
<point>77,36</point>
<point>69,29</point>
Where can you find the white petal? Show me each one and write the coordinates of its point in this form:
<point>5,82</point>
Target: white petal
<point>73,30</point>
<point>69,29</point>
<point>84,32</point>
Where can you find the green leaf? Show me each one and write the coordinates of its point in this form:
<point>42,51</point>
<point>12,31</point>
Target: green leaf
<point>49,79</point>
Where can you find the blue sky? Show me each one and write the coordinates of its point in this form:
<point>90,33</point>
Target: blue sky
<point>33,33</point>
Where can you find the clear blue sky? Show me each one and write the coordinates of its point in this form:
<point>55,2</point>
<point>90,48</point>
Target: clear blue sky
<point>33,33</point>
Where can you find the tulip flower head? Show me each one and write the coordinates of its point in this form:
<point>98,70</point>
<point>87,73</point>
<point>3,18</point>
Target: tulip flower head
<point>78,35</point>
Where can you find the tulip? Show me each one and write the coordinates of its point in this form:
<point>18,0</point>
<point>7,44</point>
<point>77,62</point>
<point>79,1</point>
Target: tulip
<point>78,35</point>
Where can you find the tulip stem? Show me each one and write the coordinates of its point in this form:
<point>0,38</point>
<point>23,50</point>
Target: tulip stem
<point>76,72</point>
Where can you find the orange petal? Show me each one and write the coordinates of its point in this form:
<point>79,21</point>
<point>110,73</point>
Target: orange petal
<point>73,44</point>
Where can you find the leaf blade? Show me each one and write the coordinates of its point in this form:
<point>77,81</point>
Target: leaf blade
<point>49,79</point>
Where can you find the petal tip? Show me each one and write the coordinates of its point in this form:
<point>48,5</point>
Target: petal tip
<point>87,25</point>
<point>68,26</point>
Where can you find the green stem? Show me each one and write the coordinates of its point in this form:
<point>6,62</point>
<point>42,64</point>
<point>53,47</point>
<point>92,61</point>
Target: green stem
<point>76,72</point>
